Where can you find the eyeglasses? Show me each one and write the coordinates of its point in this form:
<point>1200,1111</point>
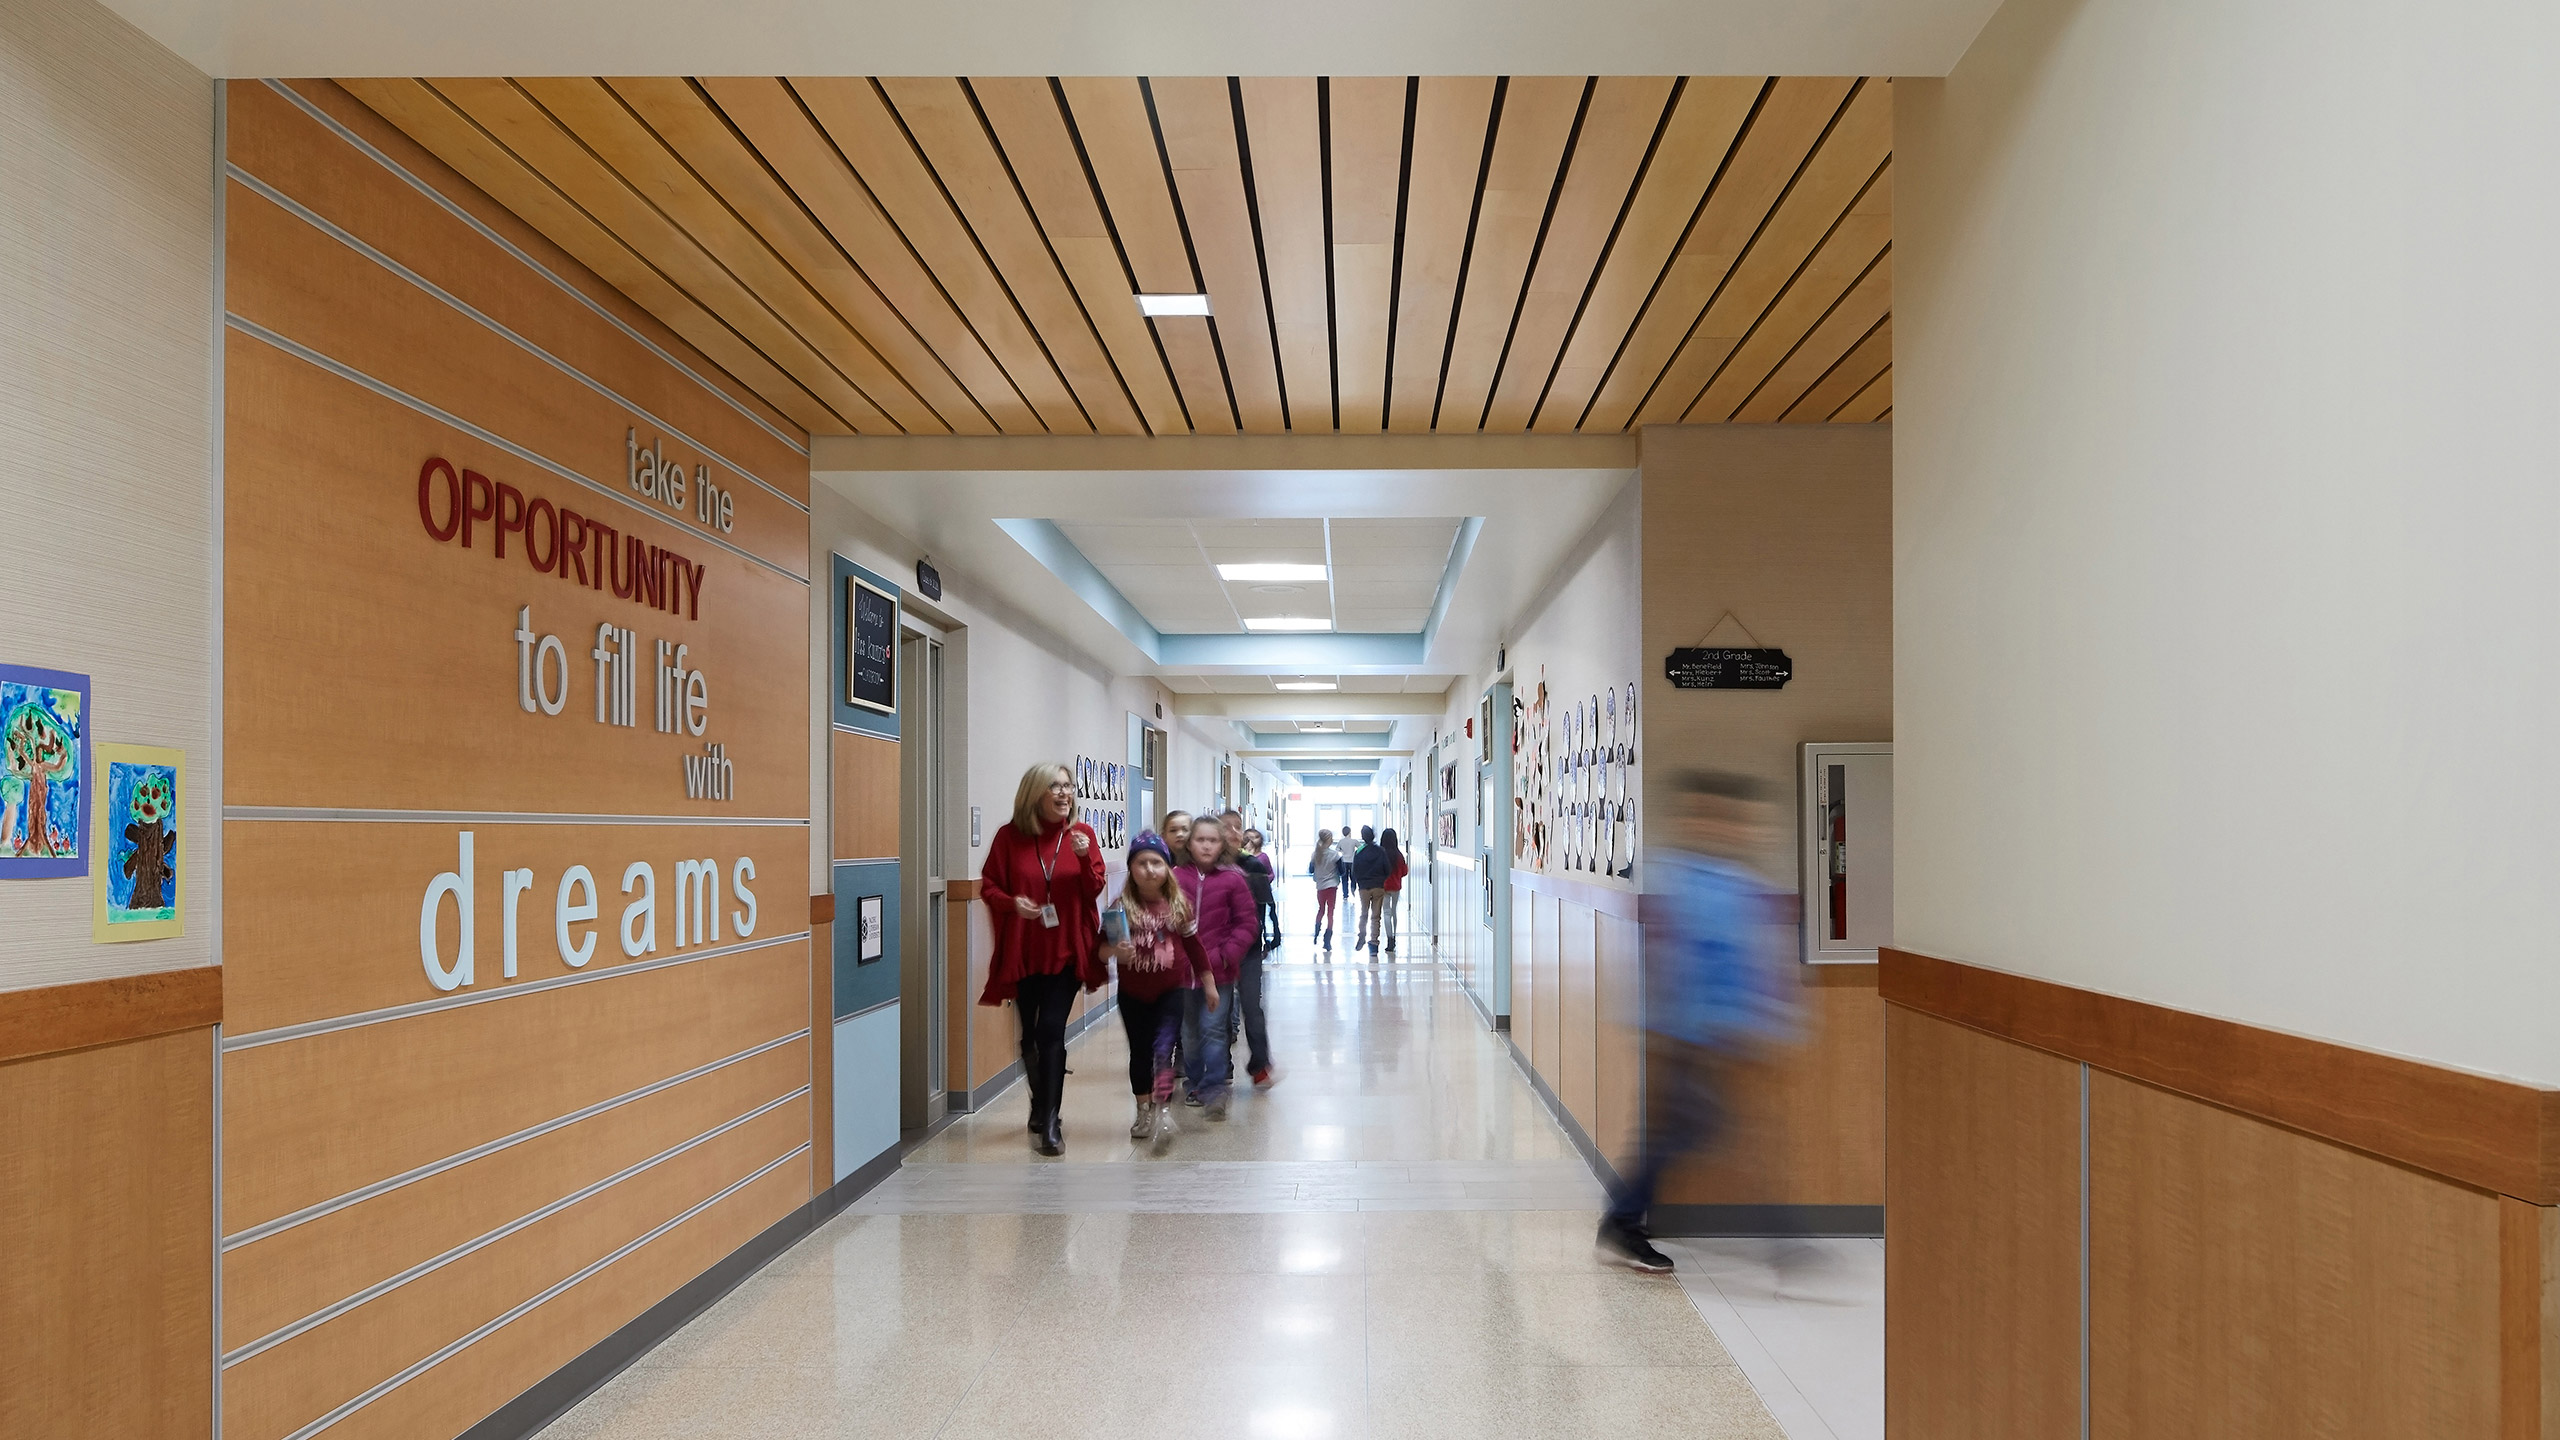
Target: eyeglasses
<point>1067,785</point>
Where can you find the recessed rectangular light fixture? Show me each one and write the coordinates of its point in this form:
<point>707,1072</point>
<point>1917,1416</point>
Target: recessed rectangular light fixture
<point>1279,573</point>
<point>1173,304</point>
<point>1287,622</point>
<point>1303,685</point>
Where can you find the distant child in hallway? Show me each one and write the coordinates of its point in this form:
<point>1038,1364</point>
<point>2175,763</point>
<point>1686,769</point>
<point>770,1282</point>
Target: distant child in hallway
<point>1223,906</point>
<point>1160,966</point>
<point>1397,869</point>
<point>1717,994</point>
<point>1325,867</point>
<point>1369,867</point>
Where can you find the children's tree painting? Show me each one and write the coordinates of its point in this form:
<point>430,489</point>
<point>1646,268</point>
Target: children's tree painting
<point>44,772</point>
<point>141,870</point>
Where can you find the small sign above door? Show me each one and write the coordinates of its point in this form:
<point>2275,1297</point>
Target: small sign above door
<point>1728,669</point>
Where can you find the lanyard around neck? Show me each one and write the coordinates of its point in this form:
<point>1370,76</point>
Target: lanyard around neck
<point>1049,867</point>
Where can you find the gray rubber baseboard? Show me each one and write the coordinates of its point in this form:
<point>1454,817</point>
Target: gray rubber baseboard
<point>1800,1221</point>
<point>557,1393</point>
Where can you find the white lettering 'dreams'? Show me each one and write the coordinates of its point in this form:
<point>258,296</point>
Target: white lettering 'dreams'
<point>697,912</point>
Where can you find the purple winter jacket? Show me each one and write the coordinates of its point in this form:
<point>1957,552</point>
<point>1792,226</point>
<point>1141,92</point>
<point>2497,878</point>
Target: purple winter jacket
<point>1229,927</point>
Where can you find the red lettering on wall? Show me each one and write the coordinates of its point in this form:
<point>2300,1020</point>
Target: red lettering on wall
<point>542,560</point>
<point>507,522</point>
<point>557,540</point>
<point>479,502</point>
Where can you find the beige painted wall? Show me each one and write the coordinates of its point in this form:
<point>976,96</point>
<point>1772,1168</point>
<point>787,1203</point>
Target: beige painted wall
<point>106,441</point>
<point>2226,596</point>
<point>1790,527</point>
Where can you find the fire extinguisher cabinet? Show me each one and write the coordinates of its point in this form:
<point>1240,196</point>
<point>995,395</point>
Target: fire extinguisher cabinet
<point>1847,830</point>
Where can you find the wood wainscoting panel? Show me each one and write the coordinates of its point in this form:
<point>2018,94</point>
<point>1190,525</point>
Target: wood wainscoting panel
<point>1620,999</point>
<point>271,1282</point>
<point>2249,1280</point>
<point>1546,963</point>
<point>1578,1013</point>
<point>865,791</point>
<point>2528,1320</point>
<point>1807,1117</point>
<point>311,1119</point>
<point>49,1019</point>
<point>106,1240</point>
<point>2479,1129</point>
<point>958,999</point>
<point>1982,1236</point>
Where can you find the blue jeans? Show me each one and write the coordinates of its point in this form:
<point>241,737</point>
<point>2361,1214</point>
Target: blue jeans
<point>1204,1043</point>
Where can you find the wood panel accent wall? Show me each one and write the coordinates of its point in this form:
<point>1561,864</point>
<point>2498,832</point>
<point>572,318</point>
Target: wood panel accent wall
<point>865,786</point>
<point>53,1018</point>
<point>409,1165</point>
<point>106,1222</point>
<point>2245,1275</point>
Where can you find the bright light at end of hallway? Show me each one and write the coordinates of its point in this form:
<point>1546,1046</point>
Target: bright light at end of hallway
<point>1291,1422</point>
<point>1304,685</point>
<point>1286,622</point>
<point>1173,304</point>
<point>1323,1141</point>
<point>1272,572</point>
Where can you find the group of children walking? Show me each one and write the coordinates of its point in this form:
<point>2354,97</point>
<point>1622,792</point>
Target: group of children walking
<point>1190,942</point>
<point>1375,869</point>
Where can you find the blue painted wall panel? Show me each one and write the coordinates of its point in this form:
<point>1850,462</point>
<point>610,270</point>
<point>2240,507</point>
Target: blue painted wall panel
<point>866,1088</point>
<point>859,985</point>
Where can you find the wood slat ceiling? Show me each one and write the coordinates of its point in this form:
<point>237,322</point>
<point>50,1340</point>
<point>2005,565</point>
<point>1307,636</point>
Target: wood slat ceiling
<point>948,256</point>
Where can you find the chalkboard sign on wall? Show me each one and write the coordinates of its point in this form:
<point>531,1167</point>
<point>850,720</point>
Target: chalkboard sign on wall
<point>1705,668</point>
<point>871,641</point>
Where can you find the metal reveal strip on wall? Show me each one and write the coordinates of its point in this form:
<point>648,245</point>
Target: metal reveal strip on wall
<point>283,1033</point>
<point>332,1311</point>
<point>529,1306</point>
<point>309,1213</point>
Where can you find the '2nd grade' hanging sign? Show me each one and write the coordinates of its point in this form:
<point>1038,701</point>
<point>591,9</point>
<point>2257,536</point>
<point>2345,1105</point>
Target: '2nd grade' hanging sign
<point>1703,668</point>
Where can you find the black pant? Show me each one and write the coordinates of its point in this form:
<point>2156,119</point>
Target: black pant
<point>1153,1027</point>
<point>1257,1035</point>
<point>1043,1002</point>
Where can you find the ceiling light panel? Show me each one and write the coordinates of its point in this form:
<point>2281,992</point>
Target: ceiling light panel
<point>1298,623</point>
<point>1304,685</point>
<point>1152,305</point>
<point>1277,574</point>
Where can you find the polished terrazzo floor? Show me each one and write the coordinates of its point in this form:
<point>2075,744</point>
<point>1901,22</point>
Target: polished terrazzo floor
<point>1395,1241</point>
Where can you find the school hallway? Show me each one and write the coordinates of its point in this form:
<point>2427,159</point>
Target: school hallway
<point>1396,1240</point>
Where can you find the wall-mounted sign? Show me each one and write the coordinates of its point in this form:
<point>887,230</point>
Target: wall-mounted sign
<point>872,942</point>
<point>928,580</point>
<point>555,540</point>
<point>1728,669</point>
<point>871,636</point>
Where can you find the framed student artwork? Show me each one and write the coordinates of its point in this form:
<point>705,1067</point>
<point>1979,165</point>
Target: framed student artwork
<point>139,883</point>
<point>872,942</point>
<point>45,780</point>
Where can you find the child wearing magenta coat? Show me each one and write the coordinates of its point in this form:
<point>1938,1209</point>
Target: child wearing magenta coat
<point>1226,927</point>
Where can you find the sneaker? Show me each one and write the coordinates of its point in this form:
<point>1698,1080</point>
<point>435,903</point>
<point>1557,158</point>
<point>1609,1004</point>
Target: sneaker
<point>1145,1124</point>
<point>1618,1245</point>
<point>1164,1128</point>
<point>1192,1100</point>
<point>1217,1109</point>
<point>1266,1077</point>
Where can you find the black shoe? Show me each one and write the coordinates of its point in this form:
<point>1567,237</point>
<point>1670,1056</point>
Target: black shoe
<point>1628,1248</point>
<point>1391,947</point>
<point>1052,1141</point>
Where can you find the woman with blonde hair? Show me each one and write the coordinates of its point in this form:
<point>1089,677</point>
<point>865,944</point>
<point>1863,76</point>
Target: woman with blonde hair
<point>1041,880</point>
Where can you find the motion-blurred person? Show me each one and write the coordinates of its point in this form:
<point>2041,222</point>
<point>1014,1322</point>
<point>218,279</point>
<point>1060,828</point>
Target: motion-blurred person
<point>1716,993</point>
<point>1325,868</point>
<point>1369,867</point>
<point>1397,869</point>
<point>1041,880</point>
<point>1177,833</point>
<point>1270,895</point>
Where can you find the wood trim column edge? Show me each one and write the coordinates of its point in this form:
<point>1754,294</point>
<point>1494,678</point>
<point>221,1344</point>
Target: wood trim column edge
<point>2480,1130</point>
<point>51,1019</point>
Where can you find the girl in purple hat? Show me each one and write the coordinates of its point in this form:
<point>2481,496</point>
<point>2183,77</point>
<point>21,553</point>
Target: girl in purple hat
<point>1160,963</point>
